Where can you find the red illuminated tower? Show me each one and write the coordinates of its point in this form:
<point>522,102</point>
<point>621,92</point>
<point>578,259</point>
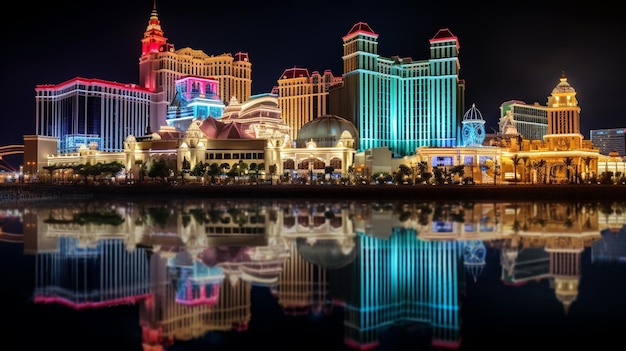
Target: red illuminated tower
<point>152,43</point>
<point>161,65</point>
<point>153,36</point>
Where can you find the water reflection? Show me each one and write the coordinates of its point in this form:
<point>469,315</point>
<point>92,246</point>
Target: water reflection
<point>391,270</point>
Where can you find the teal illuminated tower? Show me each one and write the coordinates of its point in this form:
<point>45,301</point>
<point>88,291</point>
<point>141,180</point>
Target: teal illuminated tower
<point>397,102</point>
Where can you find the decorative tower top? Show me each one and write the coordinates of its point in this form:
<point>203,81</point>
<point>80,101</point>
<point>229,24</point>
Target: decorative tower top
<point>563,94</point>
<point>473,130</point>
<point>360,46</point>
<point>153,37</point>
<point>563,109</point>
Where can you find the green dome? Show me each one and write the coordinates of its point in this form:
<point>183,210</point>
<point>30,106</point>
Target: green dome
<point>326,131</point>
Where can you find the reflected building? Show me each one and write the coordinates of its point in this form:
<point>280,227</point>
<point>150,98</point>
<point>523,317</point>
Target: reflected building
<point>190,299</point>
<point>83,261</point>
<point>80,277</point>
<point>389,266</point>
<point>402,279</point>
<point>320,238</point>
<point>611,247</point>
<point>546,241</point>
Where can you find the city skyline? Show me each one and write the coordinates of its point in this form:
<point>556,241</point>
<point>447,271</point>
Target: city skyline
<point>499,61</point>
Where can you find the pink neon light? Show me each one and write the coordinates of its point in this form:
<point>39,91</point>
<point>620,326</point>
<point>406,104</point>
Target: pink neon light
<point>190,300</point>
<point>89,81</point>
<point>447,344</point>
<point>355,345</point>
<point>91,305</point>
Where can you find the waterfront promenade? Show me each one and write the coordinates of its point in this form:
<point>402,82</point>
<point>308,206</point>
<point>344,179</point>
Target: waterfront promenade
<point>509,192</point>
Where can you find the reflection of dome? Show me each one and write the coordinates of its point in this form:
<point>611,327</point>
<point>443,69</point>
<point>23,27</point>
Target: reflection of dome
<point>326,253</point>
<point>474,254</point>
<point>211,256</point>
<point>326,131</point>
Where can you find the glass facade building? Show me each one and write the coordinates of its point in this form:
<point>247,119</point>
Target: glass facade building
<point>531,121</point>
<point>91,112</point>
<point>608,140</point>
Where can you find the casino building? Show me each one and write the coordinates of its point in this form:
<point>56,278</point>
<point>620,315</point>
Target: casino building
<point>398,103</point>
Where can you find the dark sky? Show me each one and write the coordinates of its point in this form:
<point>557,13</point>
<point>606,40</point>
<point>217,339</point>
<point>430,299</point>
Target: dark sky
<point>506,52</point>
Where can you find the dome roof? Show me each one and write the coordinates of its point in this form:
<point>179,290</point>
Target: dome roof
<point>326,130</point>
<point>326,253</point>
<point>473,114</point>
<point>563,87</point>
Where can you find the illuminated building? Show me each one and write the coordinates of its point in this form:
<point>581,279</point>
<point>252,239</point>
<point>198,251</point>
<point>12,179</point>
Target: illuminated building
<point>252,132</point>
<point>259,117</point>
<point>531,121</point>
<point>87,111</point>
<point>563,109</point>
<point>608,140</point>
<point>303,96</point>
<point>196,98</point>
<point>161,65</point>
<point>326,141</point>
<point>561,156</point>
<point>396,102</point>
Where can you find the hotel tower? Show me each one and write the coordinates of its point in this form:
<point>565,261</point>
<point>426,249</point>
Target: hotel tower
<point>303,96</point>
<point>161,65</point>
<point>397,102</point>
<point>100,114</point>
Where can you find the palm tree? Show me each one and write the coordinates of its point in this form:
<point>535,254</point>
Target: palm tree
<point>539,167</point>
<point>224,166</point>
<point>240,167</point>
<point>526,161</point>
<point>587,161</point>
<point>516,161</point>
<point>568,161</point>
<point>213,171</point>
<point>254,168</point>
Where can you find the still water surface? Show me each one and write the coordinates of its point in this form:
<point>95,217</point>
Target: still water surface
<point>307,275</point>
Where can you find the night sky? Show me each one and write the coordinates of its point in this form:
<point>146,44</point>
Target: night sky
<point>507,52</point>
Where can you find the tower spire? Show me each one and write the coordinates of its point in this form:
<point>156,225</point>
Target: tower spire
<point>153,37</point>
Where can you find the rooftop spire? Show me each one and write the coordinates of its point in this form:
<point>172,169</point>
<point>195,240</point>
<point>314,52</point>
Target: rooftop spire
<point>153,37</point>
